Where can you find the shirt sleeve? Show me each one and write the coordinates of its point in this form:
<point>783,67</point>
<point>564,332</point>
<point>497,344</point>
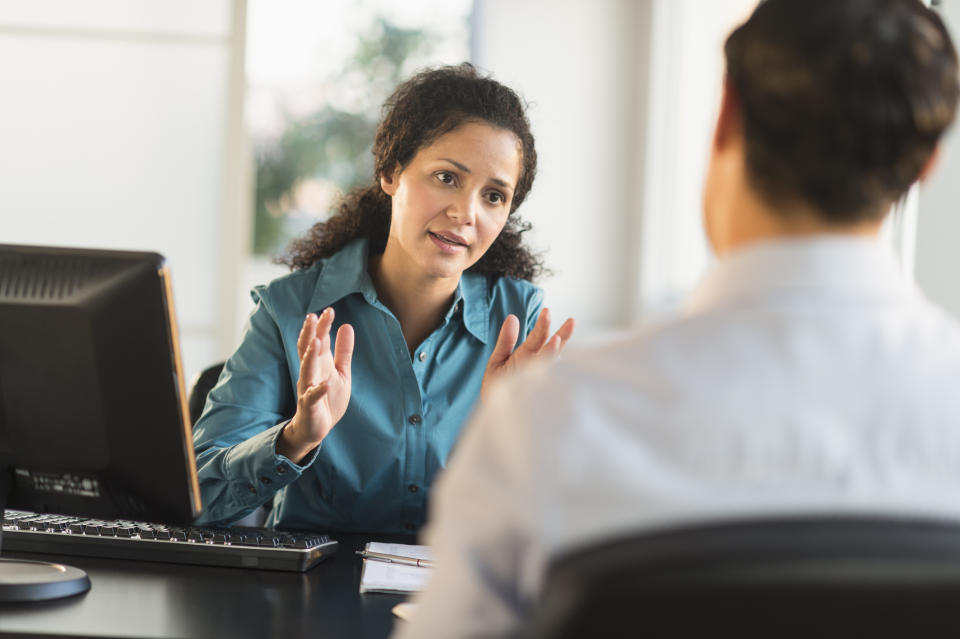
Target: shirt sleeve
<point>481,517</point>
<point>235,438</point>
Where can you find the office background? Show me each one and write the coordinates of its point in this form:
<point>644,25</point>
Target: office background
<point>132,124</point>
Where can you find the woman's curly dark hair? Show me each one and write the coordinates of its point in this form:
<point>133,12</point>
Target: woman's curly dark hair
<point>425,107</point>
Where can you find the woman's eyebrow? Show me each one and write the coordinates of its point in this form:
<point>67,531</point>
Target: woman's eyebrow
<point>495,180</point>
<point>457,164</point>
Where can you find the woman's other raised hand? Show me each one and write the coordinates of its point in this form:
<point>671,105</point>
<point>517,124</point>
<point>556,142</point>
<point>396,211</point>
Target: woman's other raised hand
<point>538,345</point>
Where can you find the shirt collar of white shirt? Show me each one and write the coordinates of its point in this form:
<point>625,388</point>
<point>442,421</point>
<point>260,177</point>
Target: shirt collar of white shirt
<point>851,265</point>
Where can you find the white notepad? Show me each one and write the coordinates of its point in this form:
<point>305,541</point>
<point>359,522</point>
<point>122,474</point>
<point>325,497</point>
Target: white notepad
<point>381,576</point>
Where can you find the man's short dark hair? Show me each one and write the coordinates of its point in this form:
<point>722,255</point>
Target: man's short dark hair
<point>843,101</point>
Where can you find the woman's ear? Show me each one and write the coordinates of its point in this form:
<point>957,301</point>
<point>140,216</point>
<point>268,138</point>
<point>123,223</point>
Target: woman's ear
<point>388,181</point>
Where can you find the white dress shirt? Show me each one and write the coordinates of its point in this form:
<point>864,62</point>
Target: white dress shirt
<point>803,376</point>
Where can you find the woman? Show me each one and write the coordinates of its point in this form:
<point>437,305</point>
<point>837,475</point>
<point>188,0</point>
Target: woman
<point>425,271</point>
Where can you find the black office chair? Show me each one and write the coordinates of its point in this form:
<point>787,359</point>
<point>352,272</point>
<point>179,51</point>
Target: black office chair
<point>838,576</point>
<point>200,387</point>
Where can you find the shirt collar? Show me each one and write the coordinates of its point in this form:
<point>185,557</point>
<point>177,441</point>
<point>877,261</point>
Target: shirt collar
<point>345,272</point>
<point>474,294</point>
<point>842,264</point>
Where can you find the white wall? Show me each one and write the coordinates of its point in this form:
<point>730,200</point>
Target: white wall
<point>118,124</point>
<point>938,225</point>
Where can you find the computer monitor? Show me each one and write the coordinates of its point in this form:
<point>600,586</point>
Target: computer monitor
<point>93,414</point>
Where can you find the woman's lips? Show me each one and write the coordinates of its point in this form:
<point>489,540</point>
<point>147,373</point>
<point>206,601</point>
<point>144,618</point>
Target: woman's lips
<point>447,243</point>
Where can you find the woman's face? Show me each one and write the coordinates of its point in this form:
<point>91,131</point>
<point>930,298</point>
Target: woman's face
<point>451,202</point>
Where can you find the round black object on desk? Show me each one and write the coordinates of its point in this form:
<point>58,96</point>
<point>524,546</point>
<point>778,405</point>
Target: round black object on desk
<point>24,580</point>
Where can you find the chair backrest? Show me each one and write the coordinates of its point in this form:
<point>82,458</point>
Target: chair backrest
<point>837,576</point>
<point>201,385</point>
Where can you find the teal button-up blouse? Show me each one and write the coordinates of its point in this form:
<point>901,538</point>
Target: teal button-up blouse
<point>373,471</point>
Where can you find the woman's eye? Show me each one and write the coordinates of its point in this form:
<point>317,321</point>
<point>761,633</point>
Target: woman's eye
<point>446,178</point>
<point>496,198</point>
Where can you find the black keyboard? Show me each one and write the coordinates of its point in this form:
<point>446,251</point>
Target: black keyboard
<point>121,539</point>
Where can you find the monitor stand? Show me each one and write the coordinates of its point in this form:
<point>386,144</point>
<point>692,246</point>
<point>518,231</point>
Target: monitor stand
<point>26,580</point>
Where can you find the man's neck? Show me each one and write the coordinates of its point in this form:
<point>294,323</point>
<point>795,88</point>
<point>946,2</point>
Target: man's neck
<point>755,220</point>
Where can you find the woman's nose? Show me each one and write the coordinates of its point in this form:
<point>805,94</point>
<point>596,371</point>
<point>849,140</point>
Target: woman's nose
<point>463,209</point>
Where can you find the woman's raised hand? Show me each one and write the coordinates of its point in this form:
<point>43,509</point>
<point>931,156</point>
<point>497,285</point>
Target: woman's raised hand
<point>539,344</point>
<point>323,389</point>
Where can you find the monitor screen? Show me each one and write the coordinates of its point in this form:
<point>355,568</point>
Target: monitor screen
<point>93,417</point>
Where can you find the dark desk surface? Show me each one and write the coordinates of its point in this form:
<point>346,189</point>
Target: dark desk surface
<point>161,601</point>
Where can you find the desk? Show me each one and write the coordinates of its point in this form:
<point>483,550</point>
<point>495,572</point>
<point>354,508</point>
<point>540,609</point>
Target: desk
<point>166,601</point>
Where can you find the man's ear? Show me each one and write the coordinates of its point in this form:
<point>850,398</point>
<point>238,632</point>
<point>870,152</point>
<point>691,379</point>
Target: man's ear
<point>388,181</point>
<point>930,164</point>
<point>729,120</point>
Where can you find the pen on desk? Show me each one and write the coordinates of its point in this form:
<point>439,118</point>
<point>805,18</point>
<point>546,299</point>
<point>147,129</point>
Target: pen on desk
<point>395,559</point>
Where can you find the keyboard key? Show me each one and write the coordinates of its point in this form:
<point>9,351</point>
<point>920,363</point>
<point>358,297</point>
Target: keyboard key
<point>241,540</point>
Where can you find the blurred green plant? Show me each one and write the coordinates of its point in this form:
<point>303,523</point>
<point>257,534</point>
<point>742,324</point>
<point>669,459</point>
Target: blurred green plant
<point>333,144</point>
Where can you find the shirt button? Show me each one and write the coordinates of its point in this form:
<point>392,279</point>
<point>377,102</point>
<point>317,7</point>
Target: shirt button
<point>409,526</point>
<point>423,356</point>
<point>265,480</point>
<point>412,488</point>
<point>414,419</point>
<point>281,469</point>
